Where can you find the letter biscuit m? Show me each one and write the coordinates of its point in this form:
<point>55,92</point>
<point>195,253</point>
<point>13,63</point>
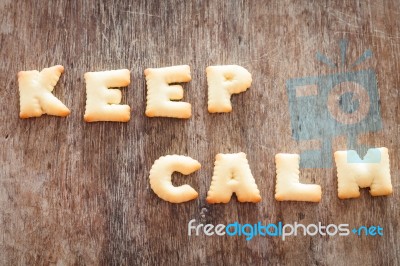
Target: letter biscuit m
<point>368,172</point>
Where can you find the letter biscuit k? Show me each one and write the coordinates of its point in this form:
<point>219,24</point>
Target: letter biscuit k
<point>35,93</point>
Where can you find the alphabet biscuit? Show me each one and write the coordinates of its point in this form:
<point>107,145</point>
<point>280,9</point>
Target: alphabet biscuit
<point>288,186</point>
<point>35,93</point>
<point>373,172</point>
<point>223,81</point>
<point>102,103</point>
<point>160,178</point>
<point>232,174</point>
<point>160,93</point>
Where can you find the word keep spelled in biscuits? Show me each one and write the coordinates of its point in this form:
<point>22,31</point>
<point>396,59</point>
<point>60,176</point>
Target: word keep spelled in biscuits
<point>232,173</point>
<point>103,103</point>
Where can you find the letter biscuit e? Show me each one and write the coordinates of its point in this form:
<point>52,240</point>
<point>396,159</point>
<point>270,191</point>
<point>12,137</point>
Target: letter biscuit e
<point>160,94</point>
<point>102,103</point>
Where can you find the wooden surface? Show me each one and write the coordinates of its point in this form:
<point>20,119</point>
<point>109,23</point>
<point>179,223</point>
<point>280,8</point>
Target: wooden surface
<point>78,193</point>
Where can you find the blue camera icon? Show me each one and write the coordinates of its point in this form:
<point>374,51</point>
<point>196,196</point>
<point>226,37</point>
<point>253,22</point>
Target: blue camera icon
<point>327,106</point>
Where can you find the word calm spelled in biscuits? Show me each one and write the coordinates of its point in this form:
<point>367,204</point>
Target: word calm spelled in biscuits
<point>103,103</point>
<point>232,174</point>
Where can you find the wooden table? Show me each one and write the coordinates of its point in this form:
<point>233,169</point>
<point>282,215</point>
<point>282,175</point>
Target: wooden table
<point>78,193</point>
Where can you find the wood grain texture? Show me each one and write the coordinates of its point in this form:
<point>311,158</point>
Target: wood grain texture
<point>78,193</point>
